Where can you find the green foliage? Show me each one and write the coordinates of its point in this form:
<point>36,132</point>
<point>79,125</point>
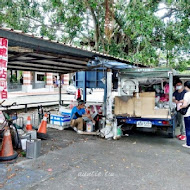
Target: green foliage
<point>136,33</point>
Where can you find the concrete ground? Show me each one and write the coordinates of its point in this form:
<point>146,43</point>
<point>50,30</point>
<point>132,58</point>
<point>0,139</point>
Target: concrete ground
<point>71,161</point>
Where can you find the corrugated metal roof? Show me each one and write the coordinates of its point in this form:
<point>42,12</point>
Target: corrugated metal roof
<point>32,53</point>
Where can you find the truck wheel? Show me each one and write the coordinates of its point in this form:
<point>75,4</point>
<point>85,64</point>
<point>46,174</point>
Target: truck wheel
<point>171,129</point>
<point>171,133</point>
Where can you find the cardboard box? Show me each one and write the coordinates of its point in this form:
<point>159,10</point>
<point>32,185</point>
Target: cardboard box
<point>162,113</point>
<point>142,106</point>
<point>147,103</point>
<point>147,94</point>
<point>124,105</point>
<point>138,106</point>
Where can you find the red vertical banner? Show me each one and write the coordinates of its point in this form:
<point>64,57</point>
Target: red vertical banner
<point>3,67</point>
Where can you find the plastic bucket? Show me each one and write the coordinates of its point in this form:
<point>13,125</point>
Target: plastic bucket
<point>89,127</point>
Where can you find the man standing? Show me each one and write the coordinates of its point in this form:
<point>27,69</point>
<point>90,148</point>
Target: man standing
<point>177,98</point>
<point>76,116</point>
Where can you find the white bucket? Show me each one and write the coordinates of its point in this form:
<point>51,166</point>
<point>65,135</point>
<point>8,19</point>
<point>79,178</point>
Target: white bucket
<point>23,140</point>
<point>23,144</point>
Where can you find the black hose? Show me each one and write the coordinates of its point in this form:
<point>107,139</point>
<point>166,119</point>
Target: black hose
<point>8,106</point>
<point>17,140</point>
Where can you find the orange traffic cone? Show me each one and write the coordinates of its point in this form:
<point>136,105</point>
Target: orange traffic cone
<point>7,153</point>
<point>28,124</point>
<point>42,130</point>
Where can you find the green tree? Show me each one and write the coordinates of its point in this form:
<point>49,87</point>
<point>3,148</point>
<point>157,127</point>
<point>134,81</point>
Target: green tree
<point>130,29</point>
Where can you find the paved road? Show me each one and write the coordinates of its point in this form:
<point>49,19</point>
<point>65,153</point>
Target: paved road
<point>141,161</point>
<point>69,161</point>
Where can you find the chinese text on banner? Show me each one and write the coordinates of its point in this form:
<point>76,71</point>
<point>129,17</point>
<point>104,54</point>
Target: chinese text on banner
<point>3,67</point>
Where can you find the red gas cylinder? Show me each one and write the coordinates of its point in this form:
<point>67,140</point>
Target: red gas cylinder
<point>78,93</point>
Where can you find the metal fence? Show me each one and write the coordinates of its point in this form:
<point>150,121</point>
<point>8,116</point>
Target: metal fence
<point>38,85</point>
<point>12,87</point>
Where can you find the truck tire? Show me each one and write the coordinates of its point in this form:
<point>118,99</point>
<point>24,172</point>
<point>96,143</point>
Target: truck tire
<point>171,129</point>
<point>171,132</point>
<point>171,135</point>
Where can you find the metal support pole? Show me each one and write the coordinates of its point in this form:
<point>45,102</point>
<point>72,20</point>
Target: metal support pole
<point>84,86</point>
<point>170,89</point>
<point>59,89</point>
<point>25,108</point>
<point>109,95</point>
<point>119,86</point>
<point>109,82</point>
<point>40,113</point>
<point>105,94</point>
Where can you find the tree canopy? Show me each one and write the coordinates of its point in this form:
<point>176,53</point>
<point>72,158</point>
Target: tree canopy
<point>152,32</point>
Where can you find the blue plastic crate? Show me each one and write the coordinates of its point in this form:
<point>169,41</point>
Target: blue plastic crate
<point>65,114</point>
<point>60,120</point>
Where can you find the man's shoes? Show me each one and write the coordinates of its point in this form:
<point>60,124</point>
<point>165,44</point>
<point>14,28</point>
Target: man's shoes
<point>98,132</point>
<point>79,131</point>
<point>178,136</point>
<point>182,138</point>
<point>186,146</point>
<point>75,128</point>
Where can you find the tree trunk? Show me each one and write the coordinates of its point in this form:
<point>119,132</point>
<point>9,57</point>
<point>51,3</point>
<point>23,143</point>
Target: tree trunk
<point>96,26</point>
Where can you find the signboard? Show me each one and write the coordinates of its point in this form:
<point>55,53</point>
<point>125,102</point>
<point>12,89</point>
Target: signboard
<point>3,67</point>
